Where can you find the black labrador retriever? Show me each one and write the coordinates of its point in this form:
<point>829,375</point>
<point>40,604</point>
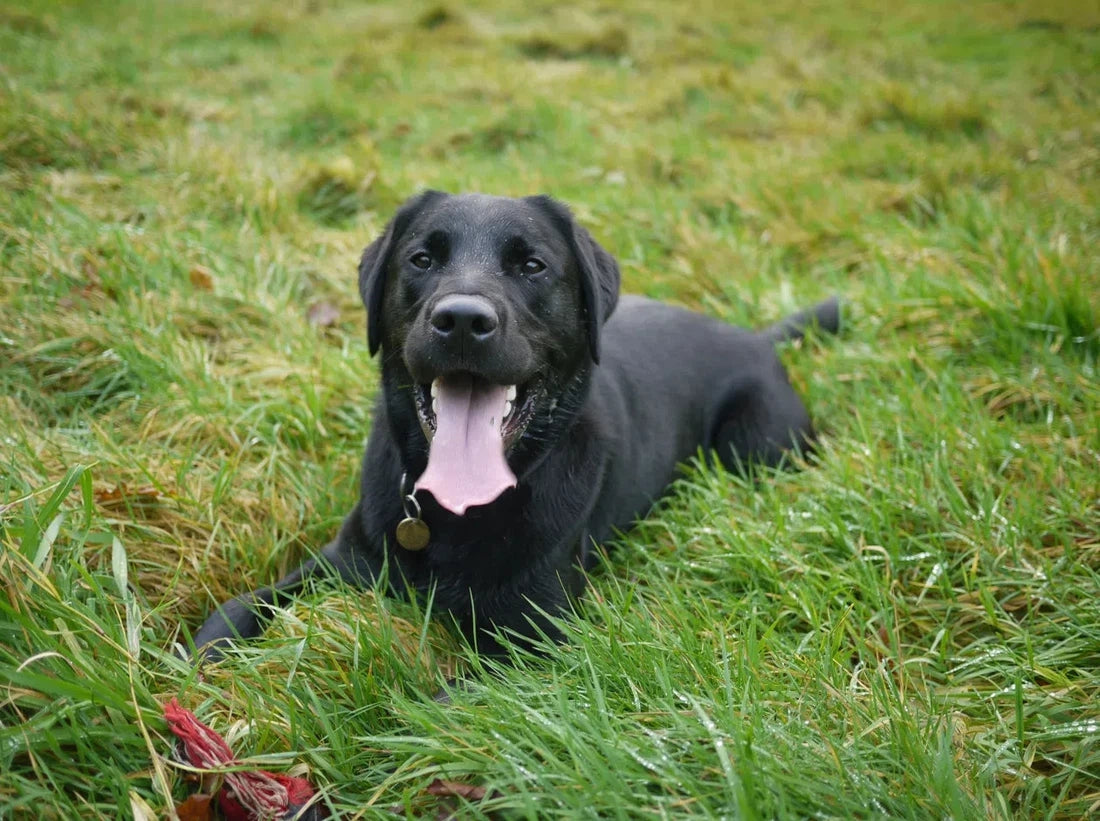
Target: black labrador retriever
<point>527,412</point>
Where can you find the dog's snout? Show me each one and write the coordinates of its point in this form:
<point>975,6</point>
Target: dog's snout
<point>461,316</point>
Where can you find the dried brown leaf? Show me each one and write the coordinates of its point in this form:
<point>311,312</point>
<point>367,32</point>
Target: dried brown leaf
<point>198,807</point>
<point>122,495</point>
<point>202,278</point>
<point>471,792</point>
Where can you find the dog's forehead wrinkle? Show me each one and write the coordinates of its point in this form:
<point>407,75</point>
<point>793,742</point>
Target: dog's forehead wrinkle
<point>474,258</point>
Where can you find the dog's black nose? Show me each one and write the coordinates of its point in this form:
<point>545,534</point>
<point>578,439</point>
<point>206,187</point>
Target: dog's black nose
<point>460,315</point>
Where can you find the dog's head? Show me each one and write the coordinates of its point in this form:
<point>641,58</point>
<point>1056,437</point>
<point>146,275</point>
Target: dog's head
<point>493,309</point>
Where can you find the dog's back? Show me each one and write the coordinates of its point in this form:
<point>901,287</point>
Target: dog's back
<point>673,382</point>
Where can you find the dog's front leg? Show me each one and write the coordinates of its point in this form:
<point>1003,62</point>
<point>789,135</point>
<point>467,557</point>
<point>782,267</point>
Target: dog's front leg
<point>246,615</point>
<point>523,618</point>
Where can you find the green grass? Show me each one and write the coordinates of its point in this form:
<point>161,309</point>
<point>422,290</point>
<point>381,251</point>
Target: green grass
<point>910,627</point>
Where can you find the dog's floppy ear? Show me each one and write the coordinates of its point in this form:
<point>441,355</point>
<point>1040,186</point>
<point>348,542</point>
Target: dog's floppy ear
<point>597,269</point>
<point>376,261</point>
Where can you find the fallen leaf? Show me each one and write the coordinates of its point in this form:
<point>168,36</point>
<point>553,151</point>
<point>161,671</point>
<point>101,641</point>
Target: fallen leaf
<point>202,278</point>
<point>196,808</point>
<point>471,792</point>
<point>121,495</point>
<point>322,314</point>
<point>91,287</point>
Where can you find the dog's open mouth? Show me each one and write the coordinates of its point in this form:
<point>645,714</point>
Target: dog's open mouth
<point>512,418</point>
<point>470,425</point>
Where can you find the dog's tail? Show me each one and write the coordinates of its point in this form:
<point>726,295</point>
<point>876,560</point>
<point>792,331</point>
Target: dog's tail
<point>825,317</point>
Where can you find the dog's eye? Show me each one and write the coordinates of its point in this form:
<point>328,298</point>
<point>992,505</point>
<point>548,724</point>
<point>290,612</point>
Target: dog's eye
<point>533,266</point>
<point>421,261</point>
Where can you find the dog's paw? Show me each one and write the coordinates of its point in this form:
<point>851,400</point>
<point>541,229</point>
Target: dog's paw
<point>229,622</point>
<point>454,687</point>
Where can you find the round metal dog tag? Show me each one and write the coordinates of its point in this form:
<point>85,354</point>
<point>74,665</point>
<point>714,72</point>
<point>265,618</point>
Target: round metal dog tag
<point>413,534</point>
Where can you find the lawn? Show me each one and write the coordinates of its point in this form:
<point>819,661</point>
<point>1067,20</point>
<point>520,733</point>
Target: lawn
<point>908,627</point>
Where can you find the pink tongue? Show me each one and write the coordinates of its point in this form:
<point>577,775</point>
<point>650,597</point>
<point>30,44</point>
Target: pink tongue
<point>466,464</point>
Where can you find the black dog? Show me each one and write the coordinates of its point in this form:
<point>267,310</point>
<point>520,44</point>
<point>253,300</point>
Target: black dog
<point>523,417</point>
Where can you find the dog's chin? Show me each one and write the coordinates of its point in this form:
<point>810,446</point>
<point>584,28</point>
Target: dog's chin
<point>524,399</point>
